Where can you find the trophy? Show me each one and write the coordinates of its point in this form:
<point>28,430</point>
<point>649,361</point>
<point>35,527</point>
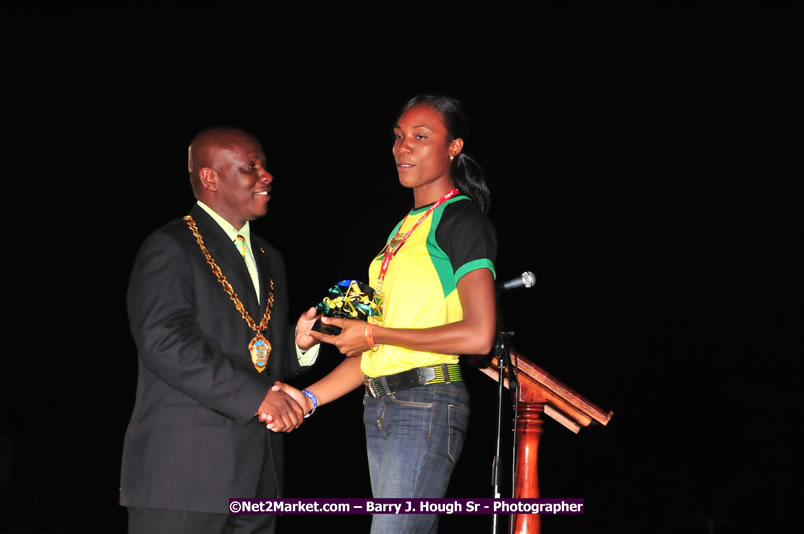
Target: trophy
<point>348,299</point>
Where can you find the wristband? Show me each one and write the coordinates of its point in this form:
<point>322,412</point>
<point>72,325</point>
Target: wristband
<point>369,332</point>
<point>310,396</point>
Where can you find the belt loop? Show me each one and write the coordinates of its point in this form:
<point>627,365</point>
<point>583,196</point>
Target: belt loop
<point>445,370</point>
<point>385,388</point>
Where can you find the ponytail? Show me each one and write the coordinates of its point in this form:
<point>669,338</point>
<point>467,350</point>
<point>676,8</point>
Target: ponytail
<point>470,180</point>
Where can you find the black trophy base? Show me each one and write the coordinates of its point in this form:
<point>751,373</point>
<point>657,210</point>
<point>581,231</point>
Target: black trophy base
<point>326,328</point>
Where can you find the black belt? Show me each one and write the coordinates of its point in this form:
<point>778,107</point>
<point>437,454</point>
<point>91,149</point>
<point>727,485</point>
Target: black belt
<point>435,374</point>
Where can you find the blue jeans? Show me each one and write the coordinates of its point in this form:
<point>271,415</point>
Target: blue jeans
<point>414,438</point>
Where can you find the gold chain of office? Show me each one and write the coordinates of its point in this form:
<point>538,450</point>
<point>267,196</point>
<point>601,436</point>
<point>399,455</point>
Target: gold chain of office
<point>266,318</point>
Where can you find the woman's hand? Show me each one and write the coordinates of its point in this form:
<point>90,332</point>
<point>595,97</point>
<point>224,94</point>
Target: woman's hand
<point>352,340</point>
<point>306,404</point>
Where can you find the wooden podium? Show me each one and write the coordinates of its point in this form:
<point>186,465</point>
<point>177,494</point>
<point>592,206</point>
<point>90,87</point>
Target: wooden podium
<point>540,393</point>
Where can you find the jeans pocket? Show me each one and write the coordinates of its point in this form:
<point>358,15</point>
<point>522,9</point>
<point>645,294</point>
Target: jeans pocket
<point>419,397</point>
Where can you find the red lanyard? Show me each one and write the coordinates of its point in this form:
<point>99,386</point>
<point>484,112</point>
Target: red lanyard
<point>390,251</point>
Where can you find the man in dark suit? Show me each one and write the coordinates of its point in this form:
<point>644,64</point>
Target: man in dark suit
<point>195,439</point>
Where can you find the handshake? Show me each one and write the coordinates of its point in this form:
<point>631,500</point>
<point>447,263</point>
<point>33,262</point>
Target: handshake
<point>284,407</point>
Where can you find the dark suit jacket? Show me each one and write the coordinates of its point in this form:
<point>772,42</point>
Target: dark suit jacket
<point>193,440</point>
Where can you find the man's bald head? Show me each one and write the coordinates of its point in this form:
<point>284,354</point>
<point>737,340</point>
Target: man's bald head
<point>227,173</point>
<point>205,151</point>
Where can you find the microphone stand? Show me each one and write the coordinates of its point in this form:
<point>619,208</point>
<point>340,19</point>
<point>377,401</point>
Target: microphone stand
<point>502,350</point>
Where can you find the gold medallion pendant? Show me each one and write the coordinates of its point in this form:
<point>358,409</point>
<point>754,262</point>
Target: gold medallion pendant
<point>260,349</point>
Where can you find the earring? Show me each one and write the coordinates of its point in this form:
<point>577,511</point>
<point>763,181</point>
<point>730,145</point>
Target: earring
<point>451,158</point>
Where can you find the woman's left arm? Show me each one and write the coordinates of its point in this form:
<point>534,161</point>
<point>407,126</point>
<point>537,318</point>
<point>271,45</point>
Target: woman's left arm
<point>472,335</point>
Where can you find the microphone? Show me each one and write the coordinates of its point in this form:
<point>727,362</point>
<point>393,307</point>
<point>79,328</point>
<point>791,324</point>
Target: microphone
<point>528,279</point>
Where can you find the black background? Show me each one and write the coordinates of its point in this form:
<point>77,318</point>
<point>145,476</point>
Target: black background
<point>641,164</point>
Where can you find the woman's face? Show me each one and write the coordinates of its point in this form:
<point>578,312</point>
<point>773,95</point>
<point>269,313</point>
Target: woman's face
<point>421,147</point>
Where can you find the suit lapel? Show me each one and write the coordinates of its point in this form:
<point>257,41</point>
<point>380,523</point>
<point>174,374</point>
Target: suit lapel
<point>228,259</point>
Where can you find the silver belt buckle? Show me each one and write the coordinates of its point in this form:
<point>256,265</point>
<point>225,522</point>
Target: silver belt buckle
<point>427,374</point>
<point>369,384</point>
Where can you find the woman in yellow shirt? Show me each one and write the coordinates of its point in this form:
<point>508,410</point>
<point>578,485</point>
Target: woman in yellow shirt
<point>436,275</point>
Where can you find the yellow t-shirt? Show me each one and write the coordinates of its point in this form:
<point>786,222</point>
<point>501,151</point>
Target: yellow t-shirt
<point>420,286</point>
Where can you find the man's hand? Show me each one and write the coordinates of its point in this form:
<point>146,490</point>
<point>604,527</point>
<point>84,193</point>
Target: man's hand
<point>295,394</point>
<point>280,411</point>
<point>303,326</point>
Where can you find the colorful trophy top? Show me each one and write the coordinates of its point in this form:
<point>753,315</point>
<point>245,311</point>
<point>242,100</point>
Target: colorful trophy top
<point>348,299</point>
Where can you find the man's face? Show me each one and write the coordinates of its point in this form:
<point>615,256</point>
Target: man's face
<point>243,183</point>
